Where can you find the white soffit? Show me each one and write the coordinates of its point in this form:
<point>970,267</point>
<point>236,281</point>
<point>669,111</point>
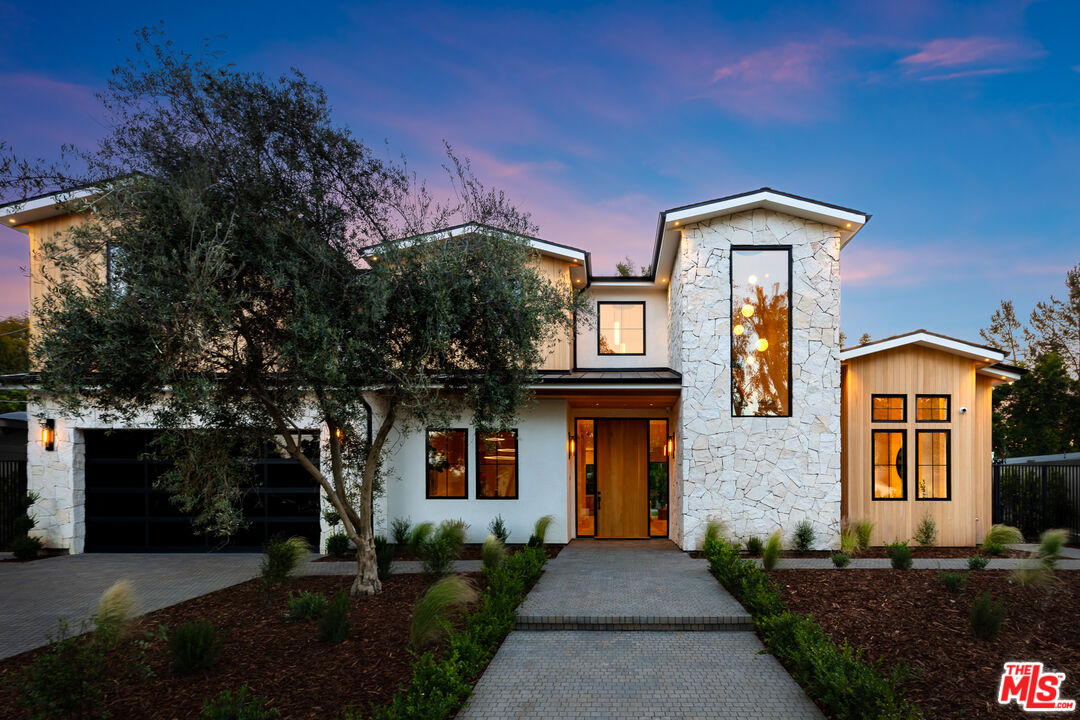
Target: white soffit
<point>999,374</point>
<point>42,208</point>
<point>923,338</point>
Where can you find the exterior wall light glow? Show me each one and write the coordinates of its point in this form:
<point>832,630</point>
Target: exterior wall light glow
<point>48,434</point>
<point>569,445</point>
<point>671,445</point>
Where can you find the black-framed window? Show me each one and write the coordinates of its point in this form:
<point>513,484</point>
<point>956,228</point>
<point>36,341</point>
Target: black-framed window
<point>447,463</point>
<point>761,331</point>
<point>889,464</point>
<point>888,408</point>
<point>620,328</point>
<point>932,408</point>
<point>497,465</point>
<point>933,452</point>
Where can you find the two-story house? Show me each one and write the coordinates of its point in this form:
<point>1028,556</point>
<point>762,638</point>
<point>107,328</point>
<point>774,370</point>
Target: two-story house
<point>713,387</point>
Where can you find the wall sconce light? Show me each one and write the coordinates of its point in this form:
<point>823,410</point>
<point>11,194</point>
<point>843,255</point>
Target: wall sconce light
<point>570,445</point>
<point>48,434</point>
<point>671,445</point>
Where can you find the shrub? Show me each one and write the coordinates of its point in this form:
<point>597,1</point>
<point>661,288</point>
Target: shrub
<point>420,534</point>
<point>26,547</point>
<point>754,545</point>
<point>977,562</point>
<point>430,618</point>
<point>998,536</point>
<point>841,560</point>
<point>65,680</point>
<point>334,624</point>
<point>863,530</point>
<point>926,533</point>
<point>115,610</point>
<point>900,556</point>
<point>804,535</point>
<point>194,645</point>
<point>399,531</point>
<point>714,533</point>
<point>280,558</point>
<point>1032,575</point>
<point>244,705</point>
<point>493,552</point>
<point>331,516</point>
<point>771,552</point>
<point>384,557</point>
<point>954,582</point>
<point>337,544</point>
<point>498,528</point>
<point>849,540</point>
<point>442,547</point>
<point>986,617</point>
<point>540,531</point>
<point>1050,544</point>
<point>305,606</point>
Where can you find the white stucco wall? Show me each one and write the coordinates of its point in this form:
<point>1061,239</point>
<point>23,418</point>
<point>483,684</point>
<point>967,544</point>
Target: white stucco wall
<point>656,329</point>
<point>758,474</point>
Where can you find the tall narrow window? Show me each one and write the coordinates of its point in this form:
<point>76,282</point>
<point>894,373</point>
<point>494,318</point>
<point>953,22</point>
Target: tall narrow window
<point>497,465</point>
<point>658,478</point>
<point>584,450</point>
<point>932,464</point>
<point>621,328</point>
<point>931,408</point>
<point>761,331</point>
<point>447,463</point>
<point>888,408</point>
<point>890,465</point>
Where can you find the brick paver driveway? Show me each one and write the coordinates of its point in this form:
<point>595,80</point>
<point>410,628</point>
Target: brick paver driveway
<point>633,629</point>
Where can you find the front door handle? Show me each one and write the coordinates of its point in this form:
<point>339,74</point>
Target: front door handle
<point>597,499</point>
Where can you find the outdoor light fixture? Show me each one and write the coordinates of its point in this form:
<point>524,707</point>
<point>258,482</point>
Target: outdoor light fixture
<point>671,445</point>
<point>569,445</point>
<point>48,434</point>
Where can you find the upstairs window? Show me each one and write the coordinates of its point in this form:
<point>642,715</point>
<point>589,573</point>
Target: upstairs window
<point>496,465</point>
<point>932,408</point>
<point>888,408</point>
<point>621,328</point>
<point>761,331</point>
<point>447,463</point>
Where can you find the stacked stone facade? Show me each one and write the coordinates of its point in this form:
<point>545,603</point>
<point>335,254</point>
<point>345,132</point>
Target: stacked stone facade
<point>757,474</point>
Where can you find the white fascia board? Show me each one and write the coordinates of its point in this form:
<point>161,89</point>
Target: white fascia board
<point>626,284</point>
<point>39,208</point>
<point>605,386</point>
<point>1000,375</point>
<point>955,347</point>
<point>803,208</point>
<point>540,245</point>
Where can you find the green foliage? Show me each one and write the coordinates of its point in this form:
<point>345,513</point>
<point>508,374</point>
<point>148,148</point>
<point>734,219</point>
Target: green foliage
<point>305,606</point>
<point>954,582</point>
<point>384,557</point>
<point>1033,575</point>
<point>998,536</point>
<point>26,547</point>
<point>22,544</point>
<point>804,535</point>
<point>771,553</point>
<point>244,705</point>
<point>400,531</point>
<point>863,530</point>
<point>926,532</point>
<point>849,540</point>
<point>977,562</point>
<point>14,358</point>
<point>840,560</point>
<point>834,675</point>
<point>420,534</point>
<point>337,544</point>
<point>1038,414</point>
<point>899,555</point>
<point>331,516</point>
<point>987,615</point>
<point>540,529</point>
<point>115,610</point>
<point>715,530</point>
<point>498,528</point>
<point>195,645</point>
<point>431,614</point>
<point>493,553</point>
<point>1050,544</point>
<point>442,547</point>
<point>66,679</point>
<point>334,624</point>
<point>754,545</point>
<point>280,559</point>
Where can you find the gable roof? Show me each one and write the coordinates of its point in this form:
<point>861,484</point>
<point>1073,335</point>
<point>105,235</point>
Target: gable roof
<point>925,338</point>
<point>44,206</point>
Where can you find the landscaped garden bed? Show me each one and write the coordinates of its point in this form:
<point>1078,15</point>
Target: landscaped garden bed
<point>917,552</point>
<point>470,551</point>
<point>909,617</point>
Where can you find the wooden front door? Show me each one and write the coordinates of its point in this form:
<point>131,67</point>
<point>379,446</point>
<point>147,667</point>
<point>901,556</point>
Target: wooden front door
<point>622,454</point>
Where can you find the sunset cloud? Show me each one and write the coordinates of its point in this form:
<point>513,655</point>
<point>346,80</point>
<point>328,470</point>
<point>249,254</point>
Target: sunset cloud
<point>969,57</point>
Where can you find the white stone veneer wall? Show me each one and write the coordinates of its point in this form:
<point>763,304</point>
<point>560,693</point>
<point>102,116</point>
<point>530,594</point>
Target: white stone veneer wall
<point>757,474</point>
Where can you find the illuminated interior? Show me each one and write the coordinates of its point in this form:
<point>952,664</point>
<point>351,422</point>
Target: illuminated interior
<point>760,332</point>
<point>932,408</point>
<point>622,328</point>
<point>658,478</point>
<point>496,465</point>
<point>447,468</point>
<point>889,464</point>
<point>933,469</point>
<point>585,445</point>
<point>888,408</point>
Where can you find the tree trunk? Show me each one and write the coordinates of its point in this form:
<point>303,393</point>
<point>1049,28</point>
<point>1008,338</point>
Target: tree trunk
<point>367,575</point>
<point>367,580</point>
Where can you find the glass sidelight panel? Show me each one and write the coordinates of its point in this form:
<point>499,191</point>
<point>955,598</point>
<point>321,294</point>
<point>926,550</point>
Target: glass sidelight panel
<point>586,477</point>
<point>658,478</point>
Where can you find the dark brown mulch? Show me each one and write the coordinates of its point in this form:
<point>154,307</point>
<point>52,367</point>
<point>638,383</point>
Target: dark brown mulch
<point>43,555</point>
<point>929,553</point>
<point>471,551</point>
<point>907,616</point>
<point>285,662</point>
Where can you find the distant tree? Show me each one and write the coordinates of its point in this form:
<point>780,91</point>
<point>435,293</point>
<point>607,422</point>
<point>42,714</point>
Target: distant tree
<point>1006,333</point>
<point>1054,325</point>
<point>1038,414</point>
<point>14,335</point>
<point>843,338</point>
<point>628,268</point>
<point>864,338</point>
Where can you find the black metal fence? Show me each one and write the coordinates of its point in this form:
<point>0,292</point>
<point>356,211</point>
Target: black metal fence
<point>1037,496</point>
<point>12,492</point>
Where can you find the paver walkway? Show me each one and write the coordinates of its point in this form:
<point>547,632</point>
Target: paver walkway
<point>646,672</point>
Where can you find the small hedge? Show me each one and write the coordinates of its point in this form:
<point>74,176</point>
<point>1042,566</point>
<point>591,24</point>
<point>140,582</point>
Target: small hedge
<point>441,682</point>
<point>834,675</point>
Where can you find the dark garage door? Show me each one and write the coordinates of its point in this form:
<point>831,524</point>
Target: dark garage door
<point>125,513</point>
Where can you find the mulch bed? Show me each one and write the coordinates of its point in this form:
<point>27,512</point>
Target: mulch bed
<point>470,551</point>
<point>908,617</point>
<point>43,555</point>
<point>928,553</point>
<point>285,662</point>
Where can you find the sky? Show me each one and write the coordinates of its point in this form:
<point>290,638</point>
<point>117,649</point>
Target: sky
<point>956,125</point>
